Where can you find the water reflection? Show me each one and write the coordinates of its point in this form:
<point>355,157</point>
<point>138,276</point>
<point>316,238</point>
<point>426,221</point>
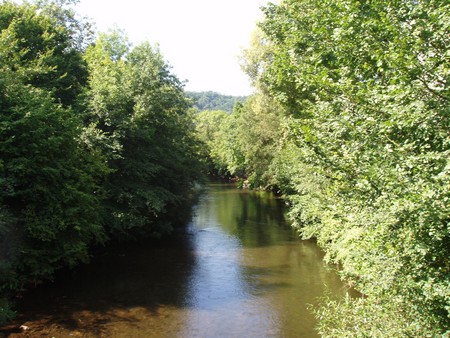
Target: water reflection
<point>239,271</point>
<point>220,294</point>
<point>252,276</point>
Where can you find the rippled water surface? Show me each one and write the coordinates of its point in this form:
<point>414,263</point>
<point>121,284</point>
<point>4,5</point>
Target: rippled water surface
<point>238,271</point>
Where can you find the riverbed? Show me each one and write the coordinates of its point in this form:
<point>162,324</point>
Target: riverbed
<point>238,270</point>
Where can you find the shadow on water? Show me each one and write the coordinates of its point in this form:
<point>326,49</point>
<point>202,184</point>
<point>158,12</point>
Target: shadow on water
<point>238,270</point>
<point>121,285</point>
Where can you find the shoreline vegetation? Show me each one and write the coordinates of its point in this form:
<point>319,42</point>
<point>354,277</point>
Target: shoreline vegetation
<point>349,122</point>
<point>97,143</point>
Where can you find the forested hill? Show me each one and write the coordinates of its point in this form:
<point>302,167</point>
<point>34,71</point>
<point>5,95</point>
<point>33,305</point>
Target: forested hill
<point>214,101</point>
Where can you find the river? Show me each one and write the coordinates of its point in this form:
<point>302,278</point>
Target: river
<point>239,270</point>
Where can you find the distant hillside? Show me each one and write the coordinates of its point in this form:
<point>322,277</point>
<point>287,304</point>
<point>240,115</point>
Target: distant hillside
<point>214,101</point>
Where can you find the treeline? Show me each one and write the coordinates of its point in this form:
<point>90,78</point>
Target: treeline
<point>351,123</point>
<point>214,101</point>
<point>96,142</point>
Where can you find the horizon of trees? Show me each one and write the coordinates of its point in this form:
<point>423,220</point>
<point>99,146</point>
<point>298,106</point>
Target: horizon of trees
<point>210,100</point>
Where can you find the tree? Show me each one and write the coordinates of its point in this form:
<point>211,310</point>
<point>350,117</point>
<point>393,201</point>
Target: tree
<point>49,177</point>
<point>141,109</point>
<point>260,129</point>
<point>244,143</point>
<point>85,156</point>
<point>38,43</point>
<point>208,126</point>
<point>79,28</point>
<point>366,158</point>
<point>47,183</point>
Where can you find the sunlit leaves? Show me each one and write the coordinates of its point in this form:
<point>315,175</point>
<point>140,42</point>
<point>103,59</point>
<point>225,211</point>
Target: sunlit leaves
<point>140,110</point>
<point>367,87</point>
<point>245,142</point>
<point>92,146</point>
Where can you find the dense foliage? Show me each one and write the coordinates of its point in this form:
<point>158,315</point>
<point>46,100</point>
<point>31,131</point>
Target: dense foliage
<point>214,101</point>
<point>96,142</point>
<point>140,110</point>
<point>243,143</point>
<point>360,146</point>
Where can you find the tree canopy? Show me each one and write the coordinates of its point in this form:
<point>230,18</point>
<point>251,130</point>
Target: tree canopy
<point>96,140</point>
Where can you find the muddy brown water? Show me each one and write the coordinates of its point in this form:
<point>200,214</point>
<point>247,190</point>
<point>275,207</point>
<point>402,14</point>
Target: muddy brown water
<point>239,270</point>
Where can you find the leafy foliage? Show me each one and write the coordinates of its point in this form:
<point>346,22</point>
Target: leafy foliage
<point>36,43</point>
<point>97,142</point>
<point>47,183</point>
<point>245,142</point>
<point>209,128</point>
<point>368,87</point>
<point>363,153</point>
<point>48,177</point>
<point>141,110</point>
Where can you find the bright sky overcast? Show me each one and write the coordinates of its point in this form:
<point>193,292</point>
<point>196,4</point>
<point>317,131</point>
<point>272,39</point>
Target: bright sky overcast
<point>201,39</point>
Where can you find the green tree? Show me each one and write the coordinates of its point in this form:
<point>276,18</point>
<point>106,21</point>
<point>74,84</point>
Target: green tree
<point>50,195</point>
<point>47,183</point>
<point>143,114</point>
<point>260,128</point>
<point>208,127</point>
<point>245,142</point>
<point>40,44</point>
<point>83,158</point>
<point>366,157</point>
<point>226,151</point>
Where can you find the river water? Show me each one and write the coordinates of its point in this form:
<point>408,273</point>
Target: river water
<point>238,271</point>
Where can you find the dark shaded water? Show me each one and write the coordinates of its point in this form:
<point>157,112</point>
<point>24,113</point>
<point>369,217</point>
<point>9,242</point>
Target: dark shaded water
<point>239,271</point>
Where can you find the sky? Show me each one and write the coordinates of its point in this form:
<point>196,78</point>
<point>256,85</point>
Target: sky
<point>200,39</point>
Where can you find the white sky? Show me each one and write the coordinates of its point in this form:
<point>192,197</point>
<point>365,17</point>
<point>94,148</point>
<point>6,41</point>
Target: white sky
<point>200,39</point>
